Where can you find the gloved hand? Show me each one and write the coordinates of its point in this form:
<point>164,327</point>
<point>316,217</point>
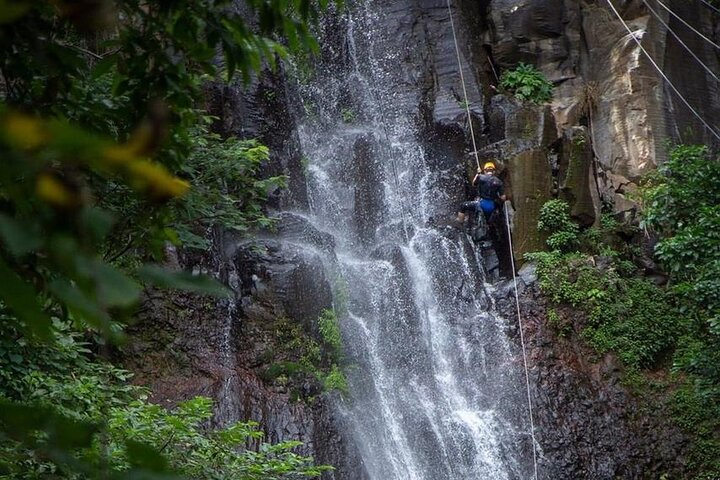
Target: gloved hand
<point>479,170</point>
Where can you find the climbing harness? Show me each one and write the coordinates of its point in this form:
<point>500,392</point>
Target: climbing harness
<point>512,258</point>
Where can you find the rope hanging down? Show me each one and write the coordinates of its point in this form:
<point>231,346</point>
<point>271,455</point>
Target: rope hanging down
<point>462,81</point>
<point>512,258</point>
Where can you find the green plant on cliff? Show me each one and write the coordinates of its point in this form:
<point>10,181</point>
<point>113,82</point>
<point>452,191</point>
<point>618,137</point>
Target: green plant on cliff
<point>555,219</point>
<point>672,329</point>
<point>527,84</point>
<point>682,204</point>
<point>67,414</point>
<point>329,328</point>
<point>623,314</point>
<point>330,332</point>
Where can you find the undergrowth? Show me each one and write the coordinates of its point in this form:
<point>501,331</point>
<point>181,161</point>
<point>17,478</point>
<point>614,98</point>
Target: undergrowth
<point>658,332</point>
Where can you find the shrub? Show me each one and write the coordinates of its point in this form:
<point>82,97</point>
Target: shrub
<point>330,332</point>
<point>527,83</point>
<point>555,219</point>
<point>629,316</point>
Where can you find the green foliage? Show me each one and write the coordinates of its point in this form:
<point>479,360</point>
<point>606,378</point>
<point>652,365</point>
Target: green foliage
<point>555,219</point>
<point>101,134</point>
<point>330,332</point>
<point>629,316</point>
<point>700,416</point>
<point>335,380</point>
<point>227,191</point>
<point>300,355</point>
<point>527,83</point>
<point>682,204</point>
<point>647,326</point>
<point>348,115</point>
<point>79,418</point>
<point>189,450</point>
<point>684,207</point>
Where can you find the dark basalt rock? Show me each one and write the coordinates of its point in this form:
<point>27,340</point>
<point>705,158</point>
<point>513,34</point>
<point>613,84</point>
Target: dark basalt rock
<point>287,276</point>
<point>367,180</point>
<point>295,228</point>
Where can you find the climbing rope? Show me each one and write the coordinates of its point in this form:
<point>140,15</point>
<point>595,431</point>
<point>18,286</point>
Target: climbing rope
<point>462,81</point>
<point>512,257</point>
<point>522,340</point>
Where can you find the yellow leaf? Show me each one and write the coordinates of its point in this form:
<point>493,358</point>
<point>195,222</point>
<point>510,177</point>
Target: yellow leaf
<point>52,191</point>
<point>24,131</point>
<point>117,155</point>
<point>157,180</point>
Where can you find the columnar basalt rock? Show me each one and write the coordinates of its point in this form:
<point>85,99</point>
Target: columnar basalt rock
<point>604,81</point>
<point>576,176</point>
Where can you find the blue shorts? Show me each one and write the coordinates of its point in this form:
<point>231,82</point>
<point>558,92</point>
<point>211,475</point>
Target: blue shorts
<point>487,206</point>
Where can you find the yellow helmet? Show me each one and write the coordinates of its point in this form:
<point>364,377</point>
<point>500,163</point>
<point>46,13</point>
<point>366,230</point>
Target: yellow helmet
<point>489,166</point>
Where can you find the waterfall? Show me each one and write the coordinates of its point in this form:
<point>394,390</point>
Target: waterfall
<point>436,387</point>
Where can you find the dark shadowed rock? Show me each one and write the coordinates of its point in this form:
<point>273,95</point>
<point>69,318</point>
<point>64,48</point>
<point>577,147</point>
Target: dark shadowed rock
<point>366,178</point>
<point>290,277</point>
<point>296,228</point>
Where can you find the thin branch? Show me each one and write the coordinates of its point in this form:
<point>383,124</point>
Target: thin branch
<point>131,241</point>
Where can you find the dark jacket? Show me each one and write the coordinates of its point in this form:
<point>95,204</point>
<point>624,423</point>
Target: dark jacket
<point>490,187</point>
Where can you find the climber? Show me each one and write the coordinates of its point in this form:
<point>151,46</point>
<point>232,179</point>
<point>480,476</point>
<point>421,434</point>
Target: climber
<point>490,193</point>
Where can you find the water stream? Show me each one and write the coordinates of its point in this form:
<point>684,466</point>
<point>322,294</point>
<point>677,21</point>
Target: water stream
<point>436,387</point>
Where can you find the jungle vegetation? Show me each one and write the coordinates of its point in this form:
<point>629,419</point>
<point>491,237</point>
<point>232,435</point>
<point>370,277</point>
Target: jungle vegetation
<point>107,156</point>
<point>672,328</point>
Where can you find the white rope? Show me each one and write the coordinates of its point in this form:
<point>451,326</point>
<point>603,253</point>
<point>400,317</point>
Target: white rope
<point>512,258</point>
<point>677,37</point>
<point>389,153</point>
<point>711,6</point>
<point>662,74</point>
<point>462,81</point>
<point>687,24</point>
<point>522,342</point>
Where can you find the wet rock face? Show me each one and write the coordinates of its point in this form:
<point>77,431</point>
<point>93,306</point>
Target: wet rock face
<point>586,423</point>
<point>187,345</point>
<point>290,278</point>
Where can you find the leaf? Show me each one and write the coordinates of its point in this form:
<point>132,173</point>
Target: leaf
<point>11,11</point>
<point>104,66</point>
<point>158,276</point>
<point>97,222</point>
<point>20,421</point>
<point>18,238</point>
<point>145,457</point>
<point>78,302</point>
<point>22,299</point>
<point>113,288</point>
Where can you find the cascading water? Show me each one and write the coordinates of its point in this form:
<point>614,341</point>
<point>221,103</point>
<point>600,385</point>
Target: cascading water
<point>436,388</point>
